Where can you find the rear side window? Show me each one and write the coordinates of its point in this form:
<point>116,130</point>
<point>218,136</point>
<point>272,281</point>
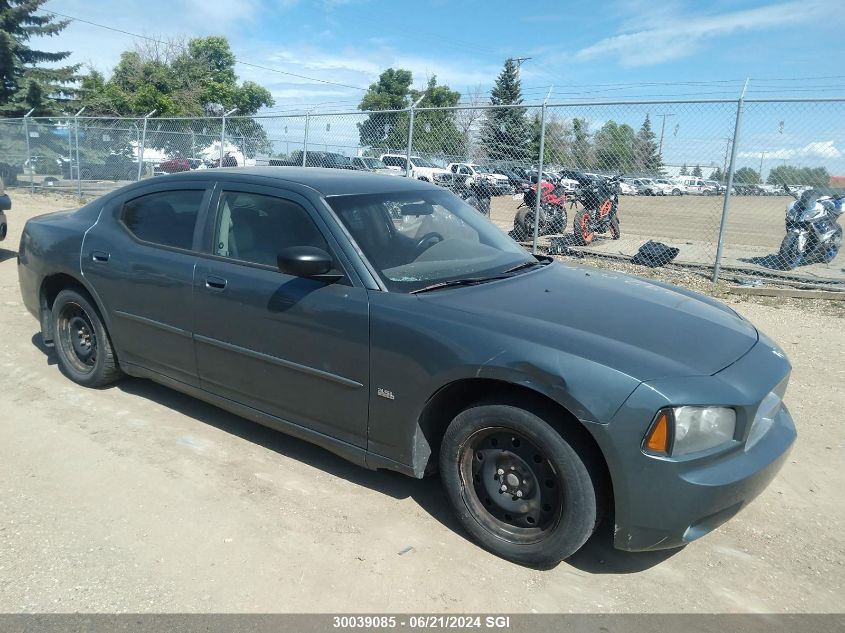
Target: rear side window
<point>167,218</point>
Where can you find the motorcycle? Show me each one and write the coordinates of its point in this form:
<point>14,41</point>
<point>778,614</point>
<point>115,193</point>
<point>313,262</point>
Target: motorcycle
<point>477,194</point>
<point>600,201</point>
<point>812,232</point>
<point>552,217</point>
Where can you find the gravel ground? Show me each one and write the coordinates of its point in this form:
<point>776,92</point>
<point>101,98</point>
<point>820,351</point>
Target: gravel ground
<point>136,498</point>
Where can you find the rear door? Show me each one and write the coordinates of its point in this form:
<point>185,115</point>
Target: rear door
<point>140,259</point>
<point>290,347</point>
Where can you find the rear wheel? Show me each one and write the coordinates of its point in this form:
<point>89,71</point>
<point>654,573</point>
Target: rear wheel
<point>614,227</point>
<point>832,248</point>
<point>83,347</point>
<point>582,228</point>
<point>518,487</point>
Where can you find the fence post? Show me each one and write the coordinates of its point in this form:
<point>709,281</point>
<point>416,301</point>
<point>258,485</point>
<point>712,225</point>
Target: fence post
<point>28,152</point>
<point>410,137</point>
<point>223,134</point>
<point>305,138</point>
<point>539,195</point>
<point>143,142</point>
<point>78,166</point>
<point>726,203</point>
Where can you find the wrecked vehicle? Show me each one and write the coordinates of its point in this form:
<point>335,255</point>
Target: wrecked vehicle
<point>391,323</point>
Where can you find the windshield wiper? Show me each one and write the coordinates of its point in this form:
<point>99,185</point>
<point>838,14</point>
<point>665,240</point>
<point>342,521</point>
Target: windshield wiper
<point>469,281</point>
<point>541,260</point>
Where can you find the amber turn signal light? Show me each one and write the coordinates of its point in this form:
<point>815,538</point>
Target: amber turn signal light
<point>657,440</point>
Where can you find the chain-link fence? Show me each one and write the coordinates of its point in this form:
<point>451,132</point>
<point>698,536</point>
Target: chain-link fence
<point>732,188</point>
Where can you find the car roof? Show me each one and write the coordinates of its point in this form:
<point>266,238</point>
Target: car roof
<point>326,181</point>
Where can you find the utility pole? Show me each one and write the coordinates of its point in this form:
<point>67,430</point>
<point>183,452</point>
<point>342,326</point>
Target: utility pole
<point>519,61</point>
<point>663,131</point>
<point>728,141</point>
<point>762,156</point>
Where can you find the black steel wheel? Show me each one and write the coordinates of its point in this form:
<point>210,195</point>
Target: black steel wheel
<point>517,485</point>
<point>83,347</point>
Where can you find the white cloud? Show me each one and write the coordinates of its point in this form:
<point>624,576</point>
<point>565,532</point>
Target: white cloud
<point>817,149</point>
<point>678,36</point>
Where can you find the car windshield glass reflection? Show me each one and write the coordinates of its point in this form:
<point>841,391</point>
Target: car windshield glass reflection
<point>416,239</point>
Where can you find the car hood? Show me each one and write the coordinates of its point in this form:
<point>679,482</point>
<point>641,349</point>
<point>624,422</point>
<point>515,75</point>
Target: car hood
<point>643,328</point>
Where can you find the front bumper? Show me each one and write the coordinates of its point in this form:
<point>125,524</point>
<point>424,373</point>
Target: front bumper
<point>668,502</point>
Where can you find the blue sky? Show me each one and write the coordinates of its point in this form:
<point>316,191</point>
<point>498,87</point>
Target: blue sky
<point>621,49</point>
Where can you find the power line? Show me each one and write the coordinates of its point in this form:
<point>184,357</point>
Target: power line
<point>237,61</point>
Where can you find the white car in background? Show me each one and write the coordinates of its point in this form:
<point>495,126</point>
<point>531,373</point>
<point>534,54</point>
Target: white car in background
<point>481,173</point>
<point>649,187</point>
<point>627,189</point>
<point>421,168</point>
<point>675,188</point>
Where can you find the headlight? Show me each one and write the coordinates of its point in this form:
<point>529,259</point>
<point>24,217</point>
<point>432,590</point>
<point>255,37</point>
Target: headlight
<point>684,430</point>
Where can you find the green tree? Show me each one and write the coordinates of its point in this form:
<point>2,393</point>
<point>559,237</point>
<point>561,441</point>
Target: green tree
<point>392,91</point>
<point>684,171</point>
<point>646,157</point>
<point>696,171</point>
<point>746,176</point>
<point>31,78</point>
<point>436,131</point>
<point>506,134</point>
<point>614,147</point>
<point>717,175</point>
<point>558,145</point>
<point>791,175</point>
<point>581,144</point>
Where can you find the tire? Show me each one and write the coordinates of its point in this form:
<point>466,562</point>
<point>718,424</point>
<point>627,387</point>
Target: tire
<point>83,347</point>
<point>614,228</point>
<point>790,256</point>
<point>584,234</point>
<point>830,253</point>
<point>558,503</point>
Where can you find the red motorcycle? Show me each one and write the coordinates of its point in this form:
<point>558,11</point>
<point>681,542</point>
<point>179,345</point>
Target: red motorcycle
<point>552,211</point>
<point>599,215</point>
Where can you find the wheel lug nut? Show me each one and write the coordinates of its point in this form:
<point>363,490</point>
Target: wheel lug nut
<point>519,493</point>
<point>500,472</point>
<point>503,488</point>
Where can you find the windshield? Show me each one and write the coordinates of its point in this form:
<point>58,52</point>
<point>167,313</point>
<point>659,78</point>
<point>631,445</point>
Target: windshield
<point>422,162</point>
<point>418,238</point>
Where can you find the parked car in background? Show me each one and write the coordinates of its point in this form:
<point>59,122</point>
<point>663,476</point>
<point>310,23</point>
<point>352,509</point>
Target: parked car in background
<point>499,183</point>
<point>114,167</point>
<point>627,189</point>
<point>330,160</point>
<point>373,165</point>
<point>648,187</point>
<point>5,205</point>
<point>176,165</point>
<point>517,181</point>
<point>421,168</point>
<point>698,186</point>
<point>717,186</point>
<point>389,322</point>
<point>675,188</point>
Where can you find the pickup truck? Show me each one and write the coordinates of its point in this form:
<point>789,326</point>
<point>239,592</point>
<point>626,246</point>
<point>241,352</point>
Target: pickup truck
<point>421,168</point>
<point>481,173</point>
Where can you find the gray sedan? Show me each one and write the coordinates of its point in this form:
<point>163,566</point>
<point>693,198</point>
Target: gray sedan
<point>388,321</point>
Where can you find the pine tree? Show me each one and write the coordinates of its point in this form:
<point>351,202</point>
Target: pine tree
<point>684,170</point>
<point>581,146</point>
<point>25,82</point>
<point>646,157</point>
<point>506,133</point>
<point>717,175</point>
<point>697,171</point>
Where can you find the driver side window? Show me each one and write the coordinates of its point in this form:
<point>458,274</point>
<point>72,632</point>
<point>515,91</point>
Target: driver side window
<point>255,228</point>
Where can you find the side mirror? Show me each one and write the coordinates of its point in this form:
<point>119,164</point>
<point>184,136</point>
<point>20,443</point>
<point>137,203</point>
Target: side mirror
<point>304,261</point>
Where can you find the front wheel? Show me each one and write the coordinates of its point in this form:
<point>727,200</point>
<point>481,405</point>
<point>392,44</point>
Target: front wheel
<point>517,486</point>
<point>83,347</point>
<point>789,253</point>
<point>582,227</point>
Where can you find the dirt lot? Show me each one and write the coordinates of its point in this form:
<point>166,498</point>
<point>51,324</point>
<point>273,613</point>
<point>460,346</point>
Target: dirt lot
<point>136,498</point>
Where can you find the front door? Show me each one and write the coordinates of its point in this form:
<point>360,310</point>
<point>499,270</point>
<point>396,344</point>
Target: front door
<point>294,348</point>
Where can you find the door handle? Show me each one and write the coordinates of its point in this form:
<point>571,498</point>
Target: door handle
<point>215,283</point>
<point>100,256</point>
